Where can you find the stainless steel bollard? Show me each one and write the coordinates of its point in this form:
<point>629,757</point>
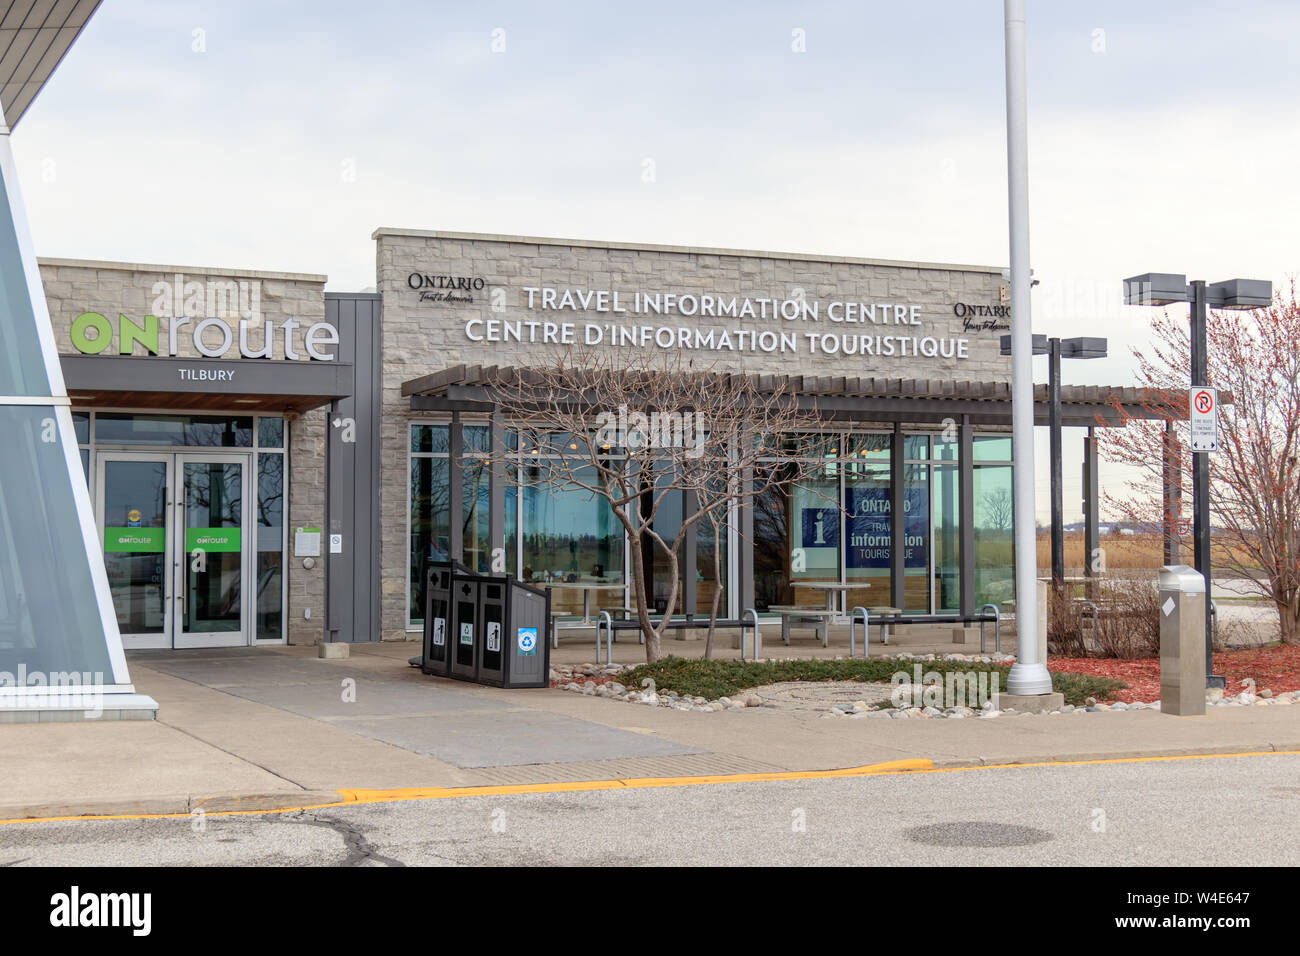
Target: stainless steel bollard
<point>1182,641</point>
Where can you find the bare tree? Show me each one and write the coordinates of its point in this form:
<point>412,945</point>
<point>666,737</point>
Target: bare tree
<point>1254,357</point>
<point>998,509</point>
<point>637,434</point>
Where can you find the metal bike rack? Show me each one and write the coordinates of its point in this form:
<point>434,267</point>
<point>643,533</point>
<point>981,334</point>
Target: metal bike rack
<point>744,627</point>
<point>605,622</point>
<point>997,629</point>
<point>866,632</point>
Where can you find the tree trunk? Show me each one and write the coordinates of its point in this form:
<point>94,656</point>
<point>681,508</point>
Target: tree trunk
<point>1289,616</point>
<point>717,594</point>
<point>642,612</point>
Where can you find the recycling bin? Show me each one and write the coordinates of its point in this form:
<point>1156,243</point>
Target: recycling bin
<point>464,637</point>
<point>439,621</point>
<point>512,622</point>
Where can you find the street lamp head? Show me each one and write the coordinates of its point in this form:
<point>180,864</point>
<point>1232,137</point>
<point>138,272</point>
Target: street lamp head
<point>1156,288</point>
<point>1084,347</point>
<point>1040,344</point>
<point>1240,294</point>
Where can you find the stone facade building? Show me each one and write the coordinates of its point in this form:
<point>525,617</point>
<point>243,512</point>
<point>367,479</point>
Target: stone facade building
<point>205,398</point>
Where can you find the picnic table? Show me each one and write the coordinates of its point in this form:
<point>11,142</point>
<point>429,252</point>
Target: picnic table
<point>587,587</point>
<point>820,616</point>
<point>832,588</point>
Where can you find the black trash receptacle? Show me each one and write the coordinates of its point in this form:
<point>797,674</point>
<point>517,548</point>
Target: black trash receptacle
<point>513,618</point>
<point>439,617</point>
<point>465,639</point>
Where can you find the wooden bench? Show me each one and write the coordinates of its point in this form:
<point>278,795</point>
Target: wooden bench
<point>819,617</point>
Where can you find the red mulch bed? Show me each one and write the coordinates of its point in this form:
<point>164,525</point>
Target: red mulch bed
<point>1277,668</point>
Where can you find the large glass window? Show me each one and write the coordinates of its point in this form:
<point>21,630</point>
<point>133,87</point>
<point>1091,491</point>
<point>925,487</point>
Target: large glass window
<point>476,506</point>
<point>570,537</point>
<point>49,620</point>
<point>994,527</point>
<point>203,430</point>
<point>668,505</point>
<point>916,532</point>
<point>430,516</point>
<point>430,529</point>
<point>833,527</point>
<point>711,580</point>
<point>22,363</point>
<point>867,511</point>
<point>772,551</point>
<point>946,539</point>
<point>269,569</point>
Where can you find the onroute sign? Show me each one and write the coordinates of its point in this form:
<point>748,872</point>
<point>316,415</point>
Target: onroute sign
<point>1203,403</point>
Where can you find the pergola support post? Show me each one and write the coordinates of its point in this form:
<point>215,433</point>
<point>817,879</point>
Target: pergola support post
<point>456,489</point>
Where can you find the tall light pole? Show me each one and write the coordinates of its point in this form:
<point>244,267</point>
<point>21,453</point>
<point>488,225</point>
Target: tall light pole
<point>1028,675</point>
<point>1165,288</point>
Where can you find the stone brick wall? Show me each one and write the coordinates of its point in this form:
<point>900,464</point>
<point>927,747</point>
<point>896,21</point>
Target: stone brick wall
<point>112,289</point>
<point>425,336</point>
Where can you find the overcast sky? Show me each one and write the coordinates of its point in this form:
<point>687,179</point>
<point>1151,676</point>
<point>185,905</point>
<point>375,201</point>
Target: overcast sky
<point>278,135</point>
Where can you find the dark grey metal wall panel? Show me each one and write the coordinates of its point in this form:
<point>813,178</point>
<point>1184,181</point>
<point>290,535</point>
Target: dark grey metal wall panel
<point>233,377</point>
<point>352,474</point>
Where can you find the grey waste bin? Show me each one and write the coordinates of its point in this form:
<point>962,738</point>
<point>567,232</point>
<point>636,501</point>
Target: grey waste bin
<point>512,622</point>
<point>439,622</point>
<point>463,635</point>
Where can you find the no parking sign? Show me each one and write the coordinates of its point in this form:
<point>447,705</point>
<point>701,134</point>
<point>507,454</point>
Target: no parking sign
<point>1203,405</point>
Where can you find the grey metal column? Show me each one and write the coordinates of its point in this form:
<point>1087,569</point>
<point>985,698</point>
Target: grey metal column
<point>1091,497</point>
<point>1054,428</point>
<point>1171,482</point>
<point>745,542</point>
<point>897,517</point>
<point>337,567</point>
<point>497,491</point>
<point>966,514</point>
<point>1201,481</point>
<point>456,489</point>
<point>690,557</point>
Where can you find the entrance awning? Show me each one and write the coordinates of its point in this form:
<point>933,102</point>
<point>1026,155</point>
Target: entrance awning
<point>471,388</point>
<point>253,384</point>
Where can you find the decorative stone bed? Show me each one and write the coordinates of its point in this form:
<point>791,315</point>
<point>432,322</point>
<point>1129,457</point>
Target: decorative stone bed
<point>852,699</point>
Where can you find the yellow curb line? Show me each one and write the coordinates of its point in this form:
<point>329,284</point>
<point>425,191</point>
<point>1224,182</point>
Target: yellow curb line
<point>357,796</point>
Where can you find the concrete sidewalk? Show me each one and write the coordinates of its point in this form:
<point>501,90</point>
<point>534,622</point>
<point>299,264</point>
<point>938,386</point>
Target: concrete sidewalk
<point>266,728</point>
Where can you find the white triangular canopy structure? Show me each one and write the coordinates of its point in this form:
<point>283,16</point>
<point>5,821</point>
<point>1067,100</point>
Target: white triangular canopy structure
<point>60,649</point>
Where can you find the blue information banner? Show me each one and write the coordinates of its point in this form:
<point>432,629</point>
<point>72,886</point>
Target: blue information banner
<point>867,526</point>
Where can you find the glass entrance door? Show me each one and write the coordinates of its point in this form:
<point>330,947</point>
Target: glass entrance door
<point>135,505</point>
<point>211,519</point>
<point>175,530</point>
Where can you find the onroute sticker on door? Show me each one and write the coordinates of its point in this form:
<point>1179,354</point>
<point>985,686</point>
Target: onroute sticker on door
<point>213,539</point>
<point>134,540</point>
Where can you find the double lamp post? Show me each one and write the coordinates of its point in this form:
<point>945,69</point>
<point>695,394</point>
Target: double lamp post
<point>1163,288</point>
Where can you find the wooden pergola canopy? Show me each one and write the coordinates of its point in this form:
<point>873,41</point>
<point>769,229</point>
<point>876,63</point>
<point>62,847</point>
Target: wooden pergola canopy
<point>477,388</point>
